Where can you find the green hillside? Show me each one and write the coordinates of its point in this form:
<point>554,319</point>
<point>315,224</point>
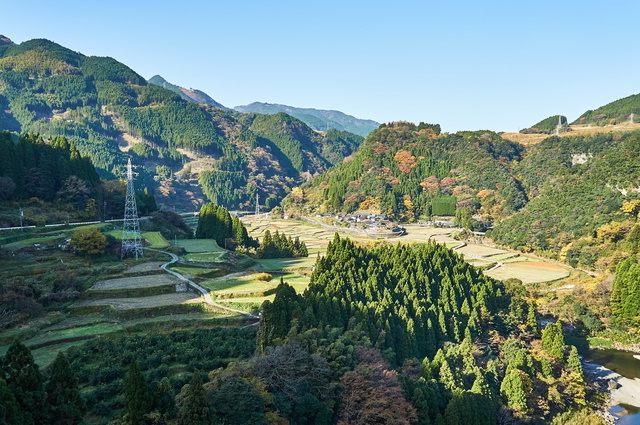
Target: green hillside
<point>192,95</point>
<point>412,172</point>
<point>578,186</point>
<point>563,198</point>
<point>110,112</point>
<point>318,119</point>
<point>547,125</point>
<point>613,113</point>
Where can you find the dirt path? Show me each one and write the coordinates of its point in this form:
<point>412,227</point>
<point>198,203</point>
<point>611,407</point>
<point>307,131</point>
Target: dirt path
<point>204,292</point>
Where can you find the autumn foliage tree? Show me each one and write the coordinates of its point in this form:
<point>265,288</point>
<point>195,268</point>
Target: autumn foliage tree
<point>88,241</point>
<point>373,394</point>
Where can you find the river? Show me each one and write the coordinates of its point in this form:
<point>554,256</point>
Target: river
<point>623,363</point>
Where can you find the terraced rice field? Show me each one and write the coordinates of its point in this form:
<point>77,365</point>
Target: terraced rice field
<point>74,333</point>
<point>136,282</point>
<point>273,264</point>
<point>481,251</point>
<point>145,267</point>
<point>198,245</point>
<point>156,240</point>
<point>238,284</point>
<point>530,272</point>
<point>205,257</point>
<point>145,302</point>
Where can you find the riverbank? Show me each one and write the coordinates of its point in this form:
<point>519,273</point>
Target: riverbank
<point>621,390</point>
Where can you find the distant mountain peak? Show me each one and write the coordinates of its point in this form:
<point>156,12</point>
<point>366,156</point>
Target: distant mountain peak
<point>5,41</point>
<point>318,119</point>
<point>191,95</point>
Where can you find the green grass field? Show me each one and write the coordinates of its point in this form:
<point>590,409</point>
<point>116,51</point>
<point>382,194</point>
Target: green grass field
<point>205,257</point>
<point>275,264</point>
<point>249,283</point>
<point>156,240</point>
<point>75,332</point>
<point>198,245</point>
<point>190,270</point>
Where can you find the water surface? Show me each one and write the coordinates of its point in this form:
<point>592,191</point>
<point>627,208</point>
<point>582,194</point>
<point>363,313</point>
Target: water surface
<point>625,364</point>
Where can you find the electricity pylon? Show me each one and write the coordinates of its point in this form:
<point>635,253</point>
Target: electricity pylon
<point>131,239</point>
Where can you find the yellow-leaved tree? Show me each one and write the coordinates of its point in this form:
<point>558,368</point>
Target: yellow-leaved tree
<point>88,241</point>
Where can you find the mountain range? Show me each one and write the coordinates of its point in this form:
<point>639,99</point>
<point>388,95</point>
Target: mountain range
<point>192,95</point>
<point>110,112</point>
<point>318,119</point>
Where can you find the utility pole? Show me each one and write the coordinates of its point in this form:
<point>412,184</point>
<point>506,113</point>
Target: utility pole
<point>131,239</point>
<point>21,217</point>
<point>257,207</point>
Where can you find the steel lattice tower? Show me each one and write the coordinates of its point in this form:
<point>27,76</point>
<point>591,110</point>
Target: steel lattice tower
<point>131,239</point>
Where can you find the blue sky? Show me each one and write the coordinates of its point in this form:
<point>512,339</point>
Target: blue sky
<point>468,65</point>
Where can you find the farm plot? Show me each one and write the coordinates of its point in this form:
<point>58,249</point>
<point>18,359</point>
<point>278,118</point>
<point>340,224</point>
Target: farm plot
<point>529,272</point>
<point>480,251</point>
<point>504,256</point>
<point>199,245</point>
<point>136,282</point>
<point>73,333</point>
<point>144,302</point>
<point>190,270</point>
<point>145,267</point>
<point>156,240</point>
<point>238,285</point>
<point>275,264</point>
<point>205,257</point>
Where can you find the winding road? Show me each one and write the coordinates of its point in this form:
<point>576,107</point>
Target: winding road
<point>203,291</point>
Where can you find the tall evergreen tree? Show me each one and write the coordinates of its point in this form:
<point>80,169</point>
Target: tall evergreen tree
<point>137,398</point>
<point>195,409</point>
<point>66,406</point>
<point>10,410</point>
<point>625,296</point>
<point>26,382</point>
<point>553,340</point>
<point>574,362</point>
<point>164,401</point>
<point>515,387</point>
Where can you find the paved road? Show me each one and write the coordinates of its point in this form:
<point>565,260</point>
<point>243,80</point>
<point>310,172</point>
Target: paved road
<point>203,291</point>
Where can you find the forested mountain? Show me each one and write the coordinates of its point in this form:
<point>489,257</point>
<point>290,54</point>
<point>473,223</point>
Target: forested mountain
<point>615,112</point>
<point>566,197</point>
<point>412,172</point>
<point>5,40</point>
<point>579,187</point>
<point>192,95</point>
<point>110,112</point>
<point>318,119</point>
